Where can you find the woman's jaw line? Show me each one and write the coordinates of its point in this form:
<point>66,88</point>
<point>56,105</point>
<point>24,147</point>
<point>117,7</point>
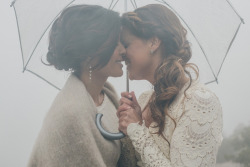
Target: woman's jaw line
<point>150,77</point>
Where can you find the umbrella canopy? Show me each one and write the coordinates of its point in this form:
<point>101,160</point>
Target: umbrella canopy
<point>212,26</point>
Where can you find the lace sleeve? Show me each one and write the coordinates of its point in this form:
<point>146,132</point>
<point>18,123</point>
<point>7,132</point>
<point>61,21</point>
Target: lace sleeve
<point>198,134</point>
<point>145,145</point>
<point>195,140</point>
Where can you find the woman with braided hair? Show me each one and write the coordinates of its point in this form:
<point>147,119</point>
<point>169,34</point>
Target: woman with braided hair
<point>179,122</point>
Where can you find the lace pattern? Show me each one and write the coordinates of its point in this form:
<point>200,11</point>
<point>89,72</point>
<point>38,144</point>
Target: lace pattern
<point>194,141</point>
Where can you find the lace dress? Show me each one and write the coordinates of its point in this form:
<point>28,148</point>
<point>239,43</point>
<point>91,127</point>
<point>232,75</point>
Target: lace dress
<point>194,141</point>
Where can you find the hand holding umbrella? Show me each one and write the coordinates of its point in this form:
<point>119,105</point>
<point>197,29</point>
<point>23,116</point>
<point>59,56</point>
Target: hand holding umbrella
<point>105,134</point>
<point>129,112</point>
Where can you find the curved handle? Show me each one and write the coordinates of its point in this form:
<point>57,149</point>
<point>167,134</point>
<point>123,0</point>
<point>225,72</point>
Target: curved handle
<point>105,134</point>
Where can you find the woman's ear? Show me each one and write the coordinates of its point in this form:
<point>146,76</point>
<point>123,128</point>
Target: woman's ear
<point>88,63</point>
<point>154,44</point>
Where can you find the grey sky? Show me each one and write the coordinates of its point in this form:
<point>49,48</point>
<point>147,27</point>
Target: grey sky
<point>25,99</point>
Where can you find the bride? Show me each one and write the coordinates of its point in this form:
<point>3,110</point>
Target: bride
<point>179,123</point>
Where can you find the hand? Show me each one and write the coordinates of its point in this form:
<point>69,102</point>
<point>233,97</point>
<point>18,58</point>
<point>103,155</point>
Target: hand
<point>129,111</point>
<point>130,99</point>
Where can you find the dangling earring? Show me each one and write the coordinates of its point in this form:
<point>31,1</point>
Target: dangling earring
<point>90,72</point>
<point>151,52</point>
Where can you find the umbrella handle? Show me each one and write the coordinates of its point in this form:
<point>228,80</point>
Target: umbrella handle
<point>105,134</point>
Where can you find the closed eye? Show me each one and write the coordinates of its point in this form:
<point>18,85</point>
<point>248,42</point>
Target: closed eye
<point>125,45</point>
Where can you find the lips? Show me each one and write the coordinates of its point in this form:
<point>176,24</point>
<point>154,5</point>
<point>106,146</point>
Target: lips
<point>127,63</point>
<point>119,61</point>
<point>125,58</point>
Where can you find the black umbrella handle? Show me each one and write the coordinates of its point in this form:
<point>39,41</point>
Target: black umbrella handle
<point>105,134</point>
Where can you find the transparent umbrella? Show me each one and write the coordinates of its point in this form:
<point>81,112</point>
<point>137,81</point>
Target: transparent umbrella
<point>212,27</point>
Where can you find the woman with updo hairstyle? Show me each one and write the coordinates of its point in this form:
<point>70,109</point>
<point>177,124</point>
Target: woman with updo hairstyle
<point>179,122</point>
<point>84,40</point>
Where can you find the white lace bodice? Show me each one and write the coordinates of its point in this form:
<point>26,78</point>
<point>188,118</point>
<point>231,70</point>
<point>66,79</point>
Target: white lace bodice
<point>194,141</point>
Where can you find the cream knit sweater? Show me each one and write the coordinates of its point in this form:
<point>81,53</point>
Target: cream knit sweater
<point>69,137</point>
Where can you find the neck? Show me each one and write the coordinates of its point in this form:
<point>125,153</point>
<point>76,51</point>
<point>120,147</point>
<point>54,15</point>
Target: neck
<point>94,86</point>
<point>151,77</point>
<point>151,72</point>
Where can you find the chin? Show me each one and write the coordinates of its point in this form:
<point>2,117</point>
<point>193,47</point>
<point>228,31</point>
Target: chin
<point>117,73</point>
<point>133,76</point>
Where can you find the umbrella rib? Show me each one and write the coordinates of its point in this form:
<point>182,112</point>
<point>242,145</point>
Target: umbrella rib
<point>114,4</point>
<point>242,20</point>
<point>43,79</point>
<point>135,4</point>
<point>20,41</point>
<point>12,3</point>
<point>211,82</point>
<point>132,3</point>
<point>160,1</point>
<point>125,5</point>
<point>193,36</point>
<point>111,4</point>
<point>44,33</point>
<point>229,47</point>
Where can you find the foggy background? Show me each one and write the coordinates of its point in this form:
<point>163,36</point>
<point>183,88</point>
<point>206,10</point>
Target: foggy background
<point>25,99</point>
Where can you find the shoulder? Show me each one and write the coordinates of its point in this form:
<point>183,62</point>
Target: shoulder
<point>200,122</point>
<point>66,111</point>
<point>201,94</point>
<point>65,124</point>
<point>201,104</point>
<point>111,93</point>
<point>144,98</point>
<point>146,95</point>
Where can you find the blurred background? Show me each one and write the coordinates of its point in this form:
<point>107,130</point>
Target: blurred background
<point>25,99</point>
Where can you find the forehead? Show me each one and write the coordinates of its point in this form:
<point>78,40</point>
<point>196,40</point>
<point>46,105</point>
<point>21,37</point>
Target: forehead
<point>126,35</point>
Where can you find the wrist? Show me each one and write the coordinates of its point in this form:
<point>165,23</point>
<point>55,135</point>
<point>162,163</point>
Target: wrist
<point>134,128</point>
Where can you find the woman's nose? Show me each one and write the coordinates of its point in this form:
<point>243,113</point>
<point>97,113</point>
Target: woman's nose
<point>122,50</point>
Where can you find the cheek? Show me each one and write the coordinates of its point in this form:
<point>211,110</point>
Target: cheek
<point>113,68</point>
<point>115,54</point>
<point>140,62</point>
<point>138,57</point>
